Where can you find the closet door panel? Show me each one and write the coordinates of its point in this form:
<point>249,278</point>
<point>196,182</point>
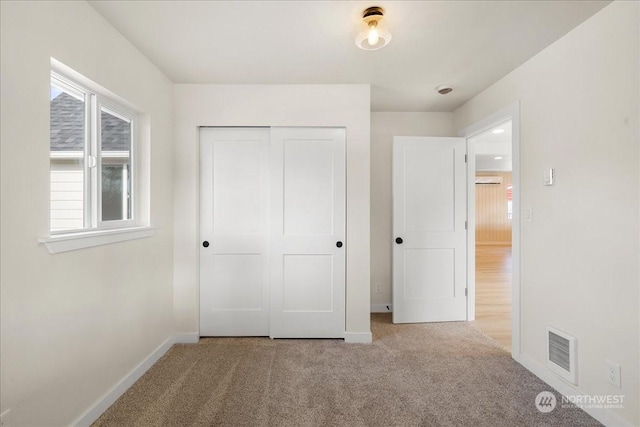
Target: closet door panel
<point>234,286</point>
<point>307,222</point>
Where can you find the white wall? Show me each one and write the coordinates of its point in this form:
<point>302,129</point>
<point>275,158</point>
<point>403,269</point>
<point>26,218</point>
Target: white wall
<point>271,105</point>
<point>75,323</point>
<point>384,126</point>
<point>579,114</point>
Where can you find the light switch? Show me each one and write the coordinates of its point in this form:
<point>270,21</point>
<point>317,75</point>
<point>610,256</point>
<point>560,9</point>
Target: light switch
<point>548,177</point>
<point>527,214</point>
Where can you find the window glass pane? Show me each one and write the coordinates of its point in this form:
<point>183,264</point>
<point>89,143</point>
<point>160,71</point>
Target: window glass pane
<point>116,166</point>
<point>67,145</point>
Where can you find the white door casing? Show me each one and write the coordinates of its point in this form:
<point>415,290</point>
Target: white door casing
<point>234,192</point>
<point>429,215</point>
<point>307,220</point>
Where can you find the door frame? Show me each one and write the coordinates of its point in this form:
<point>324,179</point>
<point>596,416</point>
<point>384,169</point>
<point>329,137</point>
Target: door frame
<point>511,112</point>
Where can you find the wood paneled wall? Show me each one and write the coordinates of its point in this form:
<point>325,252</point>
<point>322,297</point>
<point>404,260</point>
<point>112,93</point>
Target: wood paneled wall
<point>493,227</point>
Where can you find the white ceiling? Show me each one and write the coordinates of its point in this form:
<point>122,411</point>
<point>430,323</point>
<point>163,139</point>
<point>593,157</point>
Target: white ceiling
<point>467,44</point>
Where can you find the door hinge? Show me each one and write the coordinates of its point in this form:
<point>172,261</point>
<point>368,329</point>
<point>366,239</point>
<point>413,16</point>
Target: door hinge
<point>466,292</point>
<point>465,158</point>
<point>466,224</point>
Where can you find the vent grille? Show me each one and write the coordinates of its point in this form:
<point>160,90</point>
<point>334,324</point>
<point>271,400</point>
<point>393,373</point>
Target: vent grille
<point>561,354</point>
<point>559,351</point>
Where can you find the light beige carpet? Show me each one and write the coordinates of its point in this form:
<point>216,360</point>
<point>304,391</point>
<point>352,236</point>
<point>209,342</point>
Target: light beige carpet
<point>438,374</point>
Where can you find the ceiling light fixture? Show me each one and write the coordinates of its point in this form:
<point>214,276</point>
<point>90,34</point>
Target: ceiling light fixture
<point>374,37</point>
<point>497,158</point>
<point>498,131</point>
<point>444,89</point>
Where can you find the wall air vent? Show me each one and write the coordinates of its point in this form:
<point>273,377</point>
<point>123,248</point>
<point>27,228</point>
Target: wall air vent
<point>488,180</point>
<point>561,354</point>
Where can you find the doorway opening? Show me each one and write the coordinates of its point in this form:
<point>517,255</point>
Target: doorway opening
<point>510,113</point>
<point>493,231</point>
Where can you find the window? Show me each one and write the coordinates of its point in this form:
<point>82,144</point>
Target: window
<point>92,145</point>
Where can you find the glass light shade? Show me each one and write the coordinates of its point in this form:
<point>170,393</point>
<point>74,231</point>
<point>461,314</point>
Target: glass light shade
<point>366,41</point>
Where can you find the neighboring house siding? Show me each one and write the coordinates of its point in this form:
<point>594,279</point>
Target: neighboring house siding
<point>66,195</point>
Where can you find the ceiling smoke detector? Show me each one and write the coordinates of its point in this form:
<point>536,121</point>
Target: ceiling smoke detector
<point>444,89</point>
<point>374,37</point>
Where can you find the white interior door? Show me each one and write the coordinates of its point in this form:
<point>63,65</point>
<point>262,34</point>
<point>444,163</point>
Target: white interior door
<point>307,232</point>
<point>234,285</point>
<point>429,230</point>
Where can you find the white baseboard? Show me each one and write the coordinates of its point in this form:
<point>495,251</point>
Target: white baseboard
<point>358,337</point>
<point>102,404</point>
<point>381,308</point>
<point>605,416</point>
<point>187,338</point>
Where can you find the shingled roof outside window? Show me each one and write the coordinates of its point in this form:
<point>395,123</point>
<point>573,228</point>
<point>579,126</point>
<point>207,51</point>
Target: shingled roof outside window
<point>67,123</point>
<point>115,133</point>
<point>67,127</point>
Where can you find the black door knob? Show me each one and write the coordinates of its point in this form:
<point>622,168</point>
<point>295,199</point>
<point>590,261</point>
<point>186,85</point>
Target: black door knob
<point>205,244</point>
<point>339,244</point>
<point>399,240</point>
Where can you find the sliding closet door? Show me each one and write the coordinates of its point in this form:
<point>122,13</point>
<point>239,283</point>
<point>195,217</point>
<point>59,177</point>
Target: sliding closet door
<point>307,232</point>
<point>234,286</point>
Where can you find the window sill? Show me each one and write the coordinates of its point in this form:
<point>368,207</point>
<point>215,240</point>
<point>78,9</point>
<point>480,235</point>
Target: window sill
<point>87,239</point>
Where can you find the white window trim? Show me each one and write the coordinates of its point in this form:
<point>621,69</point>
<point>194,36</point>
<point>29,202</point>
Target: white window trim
<point>87,239</point>
<point>98,232</point>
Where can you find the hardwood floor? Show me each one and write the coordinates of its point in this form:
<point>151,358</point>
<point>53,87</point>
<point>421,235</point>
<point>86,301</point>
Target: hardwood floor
<point>493,292</point>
